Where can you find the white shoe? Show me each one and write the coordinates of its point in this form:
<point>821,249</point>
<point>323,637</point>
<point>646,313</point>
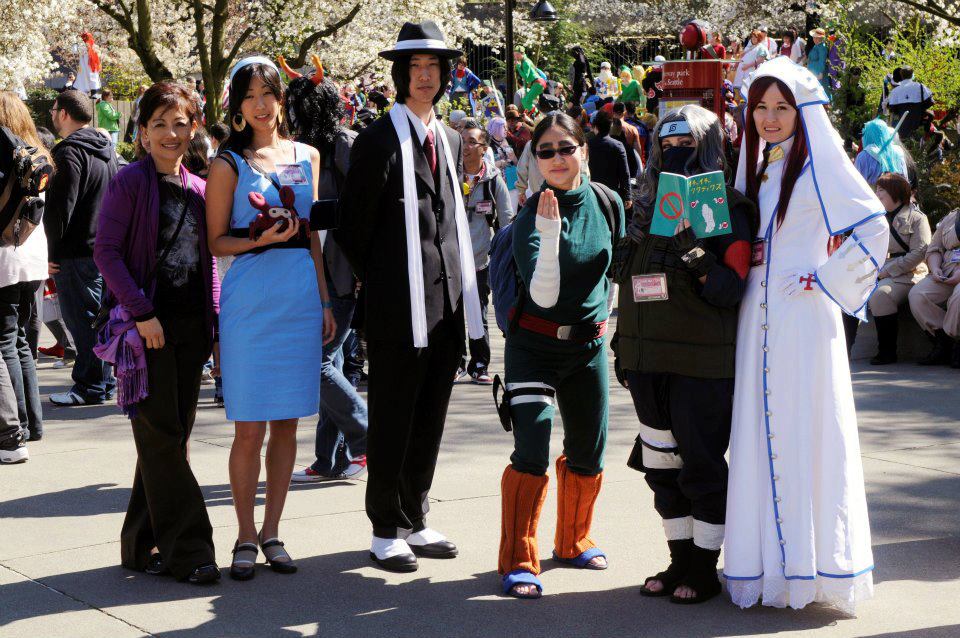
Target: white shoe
<point>207,378</point>
<point>356,469</point>
<point>310,475</point>
<point>393,554</point>
<point>67,398</point>
<point>18,454</point>
<point>60,364</point>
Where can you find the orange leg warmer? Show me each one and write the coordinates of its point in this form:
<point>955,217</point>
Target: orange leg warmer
<point>522,497</point>
<point>576,496</point>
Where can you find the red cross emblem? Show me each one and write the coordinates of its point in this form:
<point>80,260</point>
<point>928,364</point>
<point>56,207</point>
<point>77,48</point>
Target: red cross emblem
<point>808,281</point>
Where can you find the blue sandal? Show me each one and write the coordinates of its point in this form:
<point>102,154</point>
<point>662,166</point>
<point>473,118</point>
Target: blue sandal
<point>583,560</point>
<point>521,577</point>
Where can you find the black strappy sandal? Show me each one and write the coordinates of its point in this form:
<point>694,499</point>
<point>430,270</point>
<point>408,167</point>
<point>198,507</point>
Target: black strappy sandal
<point>680,553</point>
<point>244,568</point>
<point>701,577</point>
<point>272,550</point>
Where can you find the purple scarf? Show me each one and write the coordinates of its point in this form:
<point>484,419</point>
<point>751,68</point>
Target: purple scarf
<point>119,343</point>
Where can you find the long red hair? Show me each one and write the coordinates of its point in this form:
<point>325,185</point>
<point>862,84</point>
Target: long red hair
<point>794,161</point>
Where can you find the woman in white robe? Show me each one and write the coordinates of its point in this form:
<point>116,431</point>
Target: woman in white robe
<point>797,528</point>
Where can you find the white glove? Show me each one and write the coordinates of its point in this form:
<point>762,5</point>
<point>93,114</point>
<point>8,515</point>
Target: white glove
<point>797,282</point>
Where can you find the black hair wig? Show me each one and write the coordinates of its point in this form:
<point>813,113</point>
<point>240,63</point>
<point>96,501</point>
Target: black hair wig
<point>314,112</point>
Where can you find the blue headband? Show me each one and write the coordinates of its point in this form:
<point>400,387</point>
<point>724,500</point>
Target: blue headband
<point>675,128</point>
<point>254,59</point>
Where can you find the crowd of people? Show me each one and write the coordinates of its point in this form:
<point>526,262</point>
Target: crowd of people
<point>322,229</point>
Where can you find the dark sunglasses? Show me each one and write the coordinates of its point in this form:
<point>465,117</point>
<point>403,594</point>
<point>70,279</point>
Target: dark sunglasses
<point>549,153</point>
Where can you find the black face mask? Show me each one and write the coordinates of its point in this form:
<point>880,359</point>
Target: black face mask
<point>675,158</point>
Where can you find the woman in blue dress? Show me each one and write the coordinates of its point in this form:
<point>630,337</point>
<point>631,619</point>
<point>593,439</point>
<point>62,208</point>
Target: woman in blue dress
<point>275,310</point>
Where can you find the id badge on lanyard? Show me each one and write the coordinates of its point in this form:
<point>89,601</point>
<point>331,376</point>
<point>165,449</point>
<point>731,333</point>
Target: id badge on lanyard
<point>291,175</point>
<point>651,287</point>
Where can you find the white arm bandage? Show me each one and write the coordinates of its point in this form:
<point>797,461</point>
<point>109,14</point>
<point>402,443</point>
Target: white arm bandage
<point>545,283</point>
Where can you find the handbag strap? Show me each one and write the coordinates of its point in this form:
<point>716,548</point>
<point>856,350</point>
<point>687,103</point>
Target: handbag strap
<point>173,238</point>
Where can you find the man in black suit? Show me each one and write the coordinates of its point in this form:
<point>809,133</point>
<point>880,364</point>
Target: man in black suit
<point>608,159</point>
<point>401,230</point>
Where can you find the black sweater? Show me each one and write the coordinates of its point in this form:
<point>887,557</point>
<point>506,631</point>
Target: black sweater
<point>85,163</point>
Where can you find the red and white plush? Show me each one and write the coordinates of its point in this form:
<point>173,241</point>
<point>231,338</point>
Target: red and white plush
<point>270,215</point>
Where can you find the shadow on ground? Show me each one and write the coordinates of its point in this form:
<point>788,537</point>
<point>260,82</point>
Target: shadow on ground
<point>331,596</point>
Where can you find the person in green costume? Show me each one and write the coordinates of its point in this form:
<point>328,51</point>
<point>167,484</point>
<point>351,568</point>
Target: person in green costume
<point>630,88</point>
<point>534,80</point>
<point>108,117</point>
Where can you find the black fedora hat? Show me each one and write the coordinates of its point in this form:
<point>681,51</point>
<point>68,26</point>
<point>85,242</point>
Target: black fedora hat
<point>424,37</point>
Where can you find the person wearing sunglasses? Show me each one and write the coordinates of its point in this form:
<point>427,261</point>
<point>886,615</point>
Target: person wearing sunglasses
<point>674,346</point>
<point>562,247</point>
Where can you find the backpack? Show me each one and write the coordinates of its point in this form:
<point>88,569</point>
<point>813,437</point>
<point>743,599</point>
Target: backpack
<point>509,292</point>
<point>24,174</point>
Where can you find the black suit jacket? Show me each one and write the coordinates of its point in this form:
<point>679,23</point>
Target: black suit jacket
<point>608,165</point>
<point>373,234</point>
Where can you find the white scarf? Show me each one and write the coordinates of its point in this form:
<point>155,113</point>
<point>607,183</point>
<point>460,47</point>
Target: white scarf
<point>471,298</point>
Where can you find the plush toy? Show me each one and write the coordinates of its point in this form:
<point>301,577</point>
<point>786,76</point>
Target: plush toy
<point>270,215</point>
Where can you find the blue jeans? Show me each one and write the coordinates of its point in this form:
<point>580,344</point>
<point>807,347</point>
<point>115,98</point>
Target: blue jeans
<point>343,413</point>
<point>79,286</point>
<point>479,359</point>
<point>16,308</point>
<point>352,358</point>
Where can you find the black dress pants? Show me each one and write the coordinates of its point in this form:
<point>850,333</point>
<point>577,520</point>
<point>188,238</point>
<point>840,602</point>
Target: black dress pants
<point>408,393</point>
<point>167,508</point>
<point>697,413</point>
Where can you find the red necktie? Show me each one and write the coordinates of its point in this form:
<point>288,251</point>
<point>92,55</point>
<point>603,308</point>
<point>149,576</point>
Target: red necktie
<point>430,150</point>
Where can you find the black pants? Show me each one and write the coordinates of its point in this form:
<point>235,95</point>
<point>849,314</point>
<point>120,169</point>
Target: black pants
<point>166,508</point>
<point>696,414</point>
<point>16,312</point>
<point>480,348</point>
<point>408,393</point>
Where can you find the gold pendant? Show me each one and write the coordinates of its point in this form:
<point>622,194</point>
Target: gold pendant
<point>776,154</point>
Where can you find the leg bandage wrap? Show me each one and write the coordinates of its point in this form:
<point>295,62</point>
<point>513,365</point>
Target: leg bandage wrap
<point>576,497</point>
<point>522,497</point>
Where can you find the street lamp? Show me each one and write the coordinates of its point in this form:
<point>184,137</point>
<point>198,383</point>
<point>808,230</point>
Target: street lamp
<point>542,11</point>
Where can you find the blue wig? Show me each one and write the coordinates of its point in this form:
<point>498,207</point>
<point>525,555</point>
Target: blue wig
<point>879,141</point>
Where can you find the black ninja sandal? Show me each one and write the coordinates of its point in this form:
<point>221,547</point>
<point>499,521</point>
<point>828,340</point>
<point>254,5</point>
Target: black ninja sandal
<point>701,577</point>
<point>680,552</point>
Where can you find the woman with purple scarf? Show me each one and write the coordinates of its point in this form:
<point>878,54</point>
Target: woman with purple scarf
<point>163,295</point>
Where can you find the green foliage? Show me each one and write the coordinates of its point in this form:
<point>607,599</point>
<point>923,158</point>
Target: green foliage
<point>44,93</point>
<point>127,151</point>
<point>554,56</point>
<point>124,80</point>
<point>938,189</point>
<point>935,65</point>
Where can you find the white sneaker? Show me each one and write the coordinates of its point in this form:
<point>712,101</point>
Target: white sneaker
<point>60,364</point>
<point>207,378</point>
<point>67,398</point>
<point>356,469</point>
<point>18,454</point>
<point>310,475</point>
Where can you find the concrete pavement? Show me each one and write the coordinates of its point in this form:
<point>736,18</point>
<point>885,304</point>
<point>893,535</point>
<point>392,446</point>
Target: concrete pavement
<point>60,517</point>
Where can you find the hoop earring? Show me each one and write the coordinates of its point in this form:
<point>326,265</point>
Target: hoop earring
<point>238,122</point>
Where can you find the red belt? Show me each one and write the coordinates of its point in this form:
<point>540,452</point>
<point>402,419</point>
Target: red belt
<point>583,332</point>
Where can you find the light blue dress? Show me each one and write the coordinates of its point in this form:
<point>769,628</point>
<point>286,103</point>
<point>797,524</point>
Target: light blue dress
<point>271,318</point>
